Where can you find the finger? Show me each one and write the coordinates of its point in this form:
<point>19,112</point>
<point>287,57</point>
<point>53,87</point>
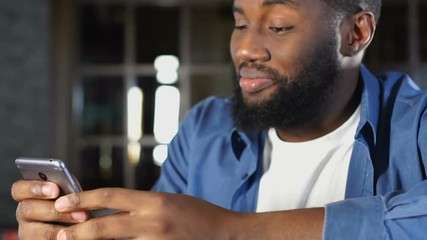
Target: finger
<point>110,198</point>
<point>115,226</point>
<point>22,190</point>
<point>44,211</point>
<point>38,230</point>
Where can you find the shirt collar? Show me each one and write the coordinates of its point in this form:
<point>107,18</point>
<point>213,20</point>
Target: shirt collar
<point>242,139</point>
<point>370,103</point>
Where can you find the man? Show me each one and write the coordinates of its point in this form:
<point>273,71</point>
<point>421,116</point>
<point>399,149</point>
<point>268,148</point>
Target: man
<point>313,142</point>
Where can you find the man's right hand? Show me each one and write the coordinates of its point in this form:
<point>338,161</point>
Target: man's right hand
<point>36,213</point>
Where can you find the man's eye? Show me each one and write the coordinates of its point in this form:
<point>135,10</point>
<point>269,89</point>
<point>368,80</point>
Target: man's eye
<point>240,27</point>
<point>280,29</point>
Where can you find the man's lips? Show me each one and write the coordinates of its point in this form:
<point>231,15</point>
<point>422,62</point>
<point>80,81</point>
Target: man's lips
<point>253,85</point>
<point>253,80</point>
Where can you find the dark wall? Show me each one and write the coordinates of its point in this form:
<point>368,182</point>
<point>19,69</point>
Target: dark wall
<point>24,105</point>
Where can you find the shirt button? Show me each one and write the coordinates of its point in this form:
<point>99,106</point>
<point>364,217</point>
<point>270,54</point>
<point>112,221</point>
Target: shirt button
<point>244,176</point>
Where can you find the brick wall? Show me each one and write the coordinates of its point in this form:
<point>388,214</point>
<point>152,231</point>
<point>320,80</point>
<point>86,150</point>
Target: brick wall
<point>24,93</point>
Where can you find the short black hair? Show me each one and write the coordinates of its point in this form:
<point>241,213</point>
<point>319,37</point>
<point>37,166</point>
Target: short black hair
<point>350,7</point>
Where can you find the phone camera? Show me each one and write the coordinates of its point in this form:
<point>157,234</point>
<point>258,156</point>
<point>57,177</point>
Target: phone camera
<point>42,176</point>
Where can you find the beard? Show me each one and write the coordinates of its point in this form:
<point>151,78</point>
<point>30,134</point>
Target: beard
<point>297,101</point>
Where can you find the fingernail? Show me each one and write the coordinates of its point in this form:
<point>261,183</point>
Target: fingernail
<point>47,190</point>
<point>62,204</point>
<point>79,216</point>
<point>61,235</point>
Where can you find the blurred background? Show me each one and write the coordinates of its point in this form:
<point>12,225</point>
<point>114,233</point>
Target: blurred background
<point>103,84</point>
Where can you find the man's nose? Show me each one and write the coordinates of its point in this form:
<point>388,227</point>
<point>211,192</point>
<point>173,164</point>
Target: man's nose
<point>251,48</point>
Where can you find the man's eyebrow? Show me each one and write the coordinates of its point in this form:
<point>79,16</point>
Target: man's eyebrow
<point>290,3</point>
<point>237,9</point>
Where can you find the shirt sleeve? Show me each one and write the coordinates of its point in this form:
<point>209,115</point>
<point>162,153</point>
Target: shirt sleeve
<point>173,176</point>
<point>397,215</point>
<point>174,172</point>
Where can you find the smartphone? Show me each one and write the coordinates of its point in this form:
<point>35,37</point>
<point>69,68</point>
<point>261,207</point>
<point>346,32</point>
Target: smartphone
<point>45,169</point>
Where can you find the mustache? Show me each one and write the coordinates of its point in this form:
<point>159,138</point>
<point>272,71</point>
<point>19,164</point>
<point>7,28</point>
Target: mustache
<point>256,67</point>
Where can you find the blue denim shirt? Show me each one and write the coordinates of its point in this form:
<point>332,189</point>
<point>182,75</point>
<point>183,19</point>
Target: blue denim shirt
<point>386,195</point>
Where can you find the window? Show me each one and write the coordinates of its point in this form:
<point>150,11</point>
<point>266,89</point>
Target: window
<point>122,97</point>
<point>101,34</point>
<point>390,44</point>
<point>210,34</point>
<point>102,105</point>
<point>423,30</point>
<point>400,40</point>
<point>157,32</point>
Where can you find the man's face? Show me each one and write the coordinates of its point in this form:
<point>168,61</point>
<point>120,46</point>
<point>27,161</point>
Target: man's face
<point>285,55</point>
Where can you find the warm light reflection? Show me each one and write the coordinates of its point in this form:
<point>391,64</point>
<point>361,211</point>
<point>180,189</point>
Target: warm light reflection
<point>167,69</point>
<point>106,160</point>
<point>166,113</point>
<point>166,62</point>
<point>160,153</point>
<point>134,152</point>
<point>134,111</point>
<point>167,77</point>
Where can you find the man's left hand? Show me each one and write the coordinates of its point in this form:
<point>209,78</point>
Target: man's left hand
<point>144,215</point>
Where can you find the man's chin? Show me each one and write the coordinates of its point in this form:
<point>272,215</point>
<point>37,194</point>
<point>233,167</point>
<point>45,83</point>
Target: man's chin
<point>257,99</point>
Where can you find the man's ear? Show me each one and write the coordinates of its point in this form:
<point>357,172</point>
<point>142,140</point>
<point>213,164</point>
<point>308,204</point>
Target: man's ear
<point>357,33</point>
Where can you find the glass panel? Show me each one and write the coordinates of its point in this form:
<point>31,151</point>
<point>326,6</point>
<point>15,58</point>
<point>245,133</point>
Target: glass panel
<point>419,76</point>
<point>102,33</point>
<point>207,85</point>
<point>102,167</point>
<point>390,44</point>
<point>148,86</point>
<point>102,106</point>
<point>210,34</point>
<point>146,171</point>
<point>423,31</point>
<point>166,113</point>
<point>157,32</point>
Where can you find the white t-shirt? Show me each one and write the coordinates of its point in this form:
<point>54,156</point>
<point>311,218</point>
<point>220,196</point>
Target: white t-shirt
<point>306,174</point>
